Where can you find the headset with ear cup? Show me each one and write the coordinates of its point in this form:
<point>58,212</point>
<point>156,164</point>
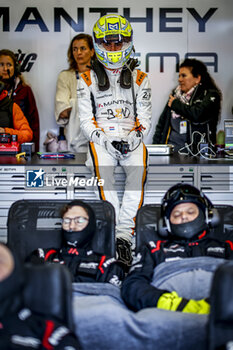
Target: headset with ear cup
<point>213,218</point>
<point>162,228</point>
<point>17,67</point>
<point>184,193</point>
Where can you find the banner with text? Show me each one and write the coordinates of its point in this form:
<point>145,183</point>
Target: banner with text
<point>165,32</point>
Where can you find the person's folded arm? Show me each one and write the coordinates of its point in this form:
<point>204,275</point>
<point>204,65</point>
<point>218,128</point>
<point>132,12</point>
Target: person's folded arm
<point>87,119</point>
<point>200,110</point>
<point>162,126</point>
<point>137,291</point>
<point>62,98</point>
<point>21,126</point>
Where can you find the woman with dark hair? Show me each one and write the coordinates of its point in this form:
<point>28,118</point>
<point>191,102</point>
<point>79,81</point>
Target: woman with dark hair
<point>19,91</point>
<point>80,53</point>
<point>193,109</point>
<point>77,252</point>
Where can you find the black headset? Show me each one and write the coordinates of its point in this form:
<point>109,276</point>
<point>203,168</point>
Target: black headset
<point>187,193</point>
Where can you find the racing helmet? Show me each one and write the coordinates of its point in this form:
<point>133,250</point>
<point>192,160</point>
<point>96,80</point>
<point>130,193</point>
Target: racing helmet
<point>113,29</point>
<point>184,193</point>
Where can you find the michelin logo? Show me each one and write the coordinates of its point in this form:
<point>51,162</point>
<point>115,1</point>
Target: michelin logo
<point>35,178</point>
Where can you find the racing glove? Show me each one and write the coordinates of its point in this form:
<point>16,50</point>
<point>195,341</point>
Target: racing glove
<point>172,301</point>
<point>99,137</point>
<point>134,139</point>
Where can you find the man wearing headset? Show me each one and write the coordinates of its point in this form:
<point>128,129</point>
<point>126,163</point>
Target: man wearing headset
<point>187,219</point>
<point>114,101</point>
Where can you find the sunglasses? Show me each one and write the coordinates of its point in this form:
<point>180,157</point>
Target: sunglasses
<point>77,220</point>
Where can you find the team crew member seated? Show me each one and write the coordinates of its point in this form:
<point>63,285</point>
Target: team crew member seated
<point>115,127</point>
<point>12,119</point>
<point>85,265</point>
<point>19,327</point>
<point>185,233</point>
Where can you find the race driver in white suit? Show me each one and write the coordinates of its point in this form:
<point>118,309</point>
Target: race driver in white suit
<point>114,100</point>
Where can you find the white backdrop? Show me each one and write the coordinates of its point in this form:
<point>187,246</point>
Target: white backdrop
<point>42,31</point>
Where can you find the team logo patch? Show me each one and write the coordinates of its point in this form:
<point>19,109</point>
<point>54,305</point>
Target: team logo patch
<point>113,26</point>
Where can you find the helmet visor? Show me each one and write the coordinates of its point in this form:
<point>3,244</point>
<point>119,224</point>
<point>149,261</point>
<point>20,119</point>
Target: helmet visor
<point>115,38</point>
<point>182,192</point>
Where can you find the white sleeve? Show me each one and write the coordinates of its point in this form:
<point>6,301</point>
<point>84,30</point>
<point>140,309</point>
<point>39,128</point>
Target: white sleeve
<point>63,96</point>
<point>144,106</point>
<point>88,123</point>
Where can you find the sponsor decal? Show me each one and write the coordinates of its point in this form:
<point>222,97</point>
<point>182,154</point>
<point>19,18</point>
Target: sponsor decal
<point>90,265</point>
<point>109,262</point>
<point>57,335</point>
<point>216,250</point>
<point>25,341</point>
<point>175,249</point>
<point>173,259</point>
<point>114,26</point>
<point>115,281</point>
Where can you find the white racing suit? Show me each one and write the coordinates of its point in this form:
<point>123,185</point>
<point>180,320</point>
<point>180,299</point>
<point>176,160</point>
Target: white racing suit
<point>114,114</point>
